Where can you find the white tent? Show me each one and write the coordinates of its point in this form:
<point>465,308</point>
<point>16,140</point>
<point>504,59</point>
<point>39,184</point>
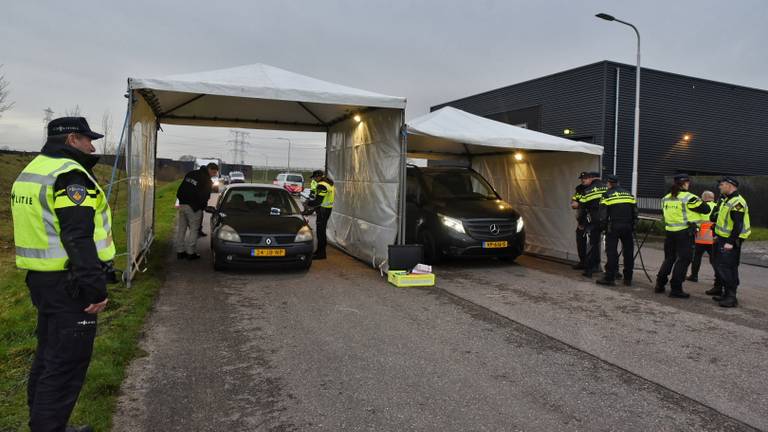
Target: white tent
<point>365,158</point>
<point>538,185</point>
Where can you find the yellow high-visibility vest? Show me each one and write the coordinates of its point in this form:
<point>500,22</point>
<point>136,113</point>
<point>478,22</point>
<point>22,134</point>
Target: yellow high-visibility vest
<point>675,210</point>
<point>328,195</point>
<point>36,229</point>
<point>724,224</point>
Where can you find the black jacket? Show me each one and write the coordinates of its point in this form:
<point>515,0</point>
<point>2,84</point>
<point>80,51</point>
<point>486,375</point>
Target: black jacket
<point>195,189</point>
<point>618,215</point>
<point>589,204</point>
<point>76,224</point>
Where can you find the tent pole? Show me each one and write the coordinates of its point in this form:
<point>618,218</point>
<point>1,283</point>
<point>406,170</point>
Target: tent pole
<point>403,180</point>
<point>128,274</point>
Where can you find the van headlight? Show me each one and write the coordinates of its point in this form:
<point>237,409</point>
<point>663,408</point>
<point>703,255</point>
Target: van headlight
<point>452,223</point>
<point>520,224</point>
<point>227,233</point>
<point>304,235</point>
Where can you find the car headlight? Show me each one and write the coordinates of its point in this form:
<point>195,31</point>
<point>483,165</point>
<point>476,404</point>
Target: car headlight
<point>452,223</point>
<point>304,235</point>
<point>227,233</point>
<point>520,224</point>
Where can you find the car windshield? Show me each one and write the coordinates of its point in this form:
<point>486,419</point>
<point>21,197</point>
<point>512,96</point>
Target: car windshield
<point>295,179</point>
<point>458,185</point>
<point>260,202</point>
<point>236,174</point>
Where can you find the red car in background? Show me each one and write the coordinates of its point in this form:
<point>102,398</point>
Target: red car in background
<point>292,182</point>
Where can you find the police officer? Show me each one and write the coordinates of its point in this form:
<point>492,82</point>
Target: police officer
<point>732,227</point>
<point>618,217</point>
<point>703,241</point>
<point>323,201</point>
<point>589,218</point>
<point>63,236</point>
<point>581,237</point>
<point>193,194</point>
<point>316,175</point>
<point>679,226</point>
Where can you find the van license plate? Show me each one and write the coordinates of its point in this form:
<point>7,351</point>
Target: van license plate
<point>268,252</point>
<point>495,244</point>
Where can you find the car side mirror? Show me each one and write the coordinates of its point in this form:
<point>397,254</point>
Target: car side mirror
<point>210,209</point>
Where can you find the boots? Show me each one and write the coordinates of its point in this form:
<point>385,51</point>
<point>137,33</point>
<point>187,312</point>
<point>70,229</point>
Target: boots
<point>677,292</point>
<point>659,288</point>
<point>729,299</point>
<point>714,291</point>
<point>606,281</point>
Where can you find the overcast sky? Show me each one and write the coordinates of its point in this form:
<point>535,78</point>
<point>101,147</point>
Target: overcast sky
<point>62,54</point>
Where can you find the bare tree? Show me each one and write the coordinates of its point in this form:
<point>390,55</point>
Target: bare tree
<point>5,104</point>
<point>106,130</point>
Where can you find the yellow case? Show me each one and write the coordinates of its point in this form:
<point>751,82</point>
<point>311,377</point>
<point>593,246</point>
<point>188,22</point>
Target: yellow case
<point>401,279</point>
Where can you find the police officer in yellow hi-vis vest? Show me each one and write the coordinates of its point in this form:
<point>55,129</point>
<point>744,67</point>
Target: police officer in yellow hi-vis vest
<point>618,218</point>
<point>677,208</point>
<point>62,227</point>
<point>732,227</point>
<point>323,201</point>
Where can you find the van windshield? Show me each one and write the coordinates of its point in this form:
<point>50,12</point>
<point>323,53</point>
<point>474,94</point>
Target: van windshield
<point>458,185</point>
<point>295,178</point>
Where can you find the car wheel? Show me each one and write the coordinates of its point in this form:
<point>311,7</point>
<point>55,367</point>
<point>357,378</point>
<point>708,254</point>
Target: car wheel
<point>432,254</point>
<point>218,265</point>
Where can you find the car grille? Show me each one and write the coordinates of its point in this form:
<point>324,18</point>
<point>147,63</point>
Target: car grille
<point>285,239</point>
<point>257,239</point>
<point>481,228</point>
<point>250,239</point>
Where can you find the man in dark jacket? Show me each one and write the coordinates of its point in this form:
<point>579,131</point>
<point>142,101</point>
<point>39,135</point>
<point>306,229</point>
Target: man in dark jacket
<point>63,237</point>
<point>618,218</point>
<point>193,194</point>
<point>589,206</point>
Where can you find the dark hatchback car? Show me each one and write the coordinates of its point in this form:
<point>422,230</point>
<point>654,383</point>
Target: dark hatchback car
<point>454,211</point>
<point>259,224</point>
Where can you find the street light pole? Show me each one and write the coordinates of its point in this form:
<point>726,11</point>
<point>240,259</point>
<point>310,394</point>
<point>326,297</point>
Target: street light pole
<point>289,150</point>
<point>636,145</point>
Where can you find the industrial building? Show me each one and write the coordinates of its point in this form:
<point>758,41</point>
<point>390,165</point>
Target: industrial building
<point>687,124</point>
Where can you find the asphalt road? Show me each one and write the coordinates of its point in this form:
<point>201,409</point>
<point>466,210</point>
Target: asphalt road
<point>494,347</point>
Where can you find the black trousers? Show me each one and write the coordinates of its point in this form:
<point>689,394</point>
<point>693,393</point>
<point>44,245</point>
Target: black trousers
<point>678,248</point>
<point>65,336</point>
<point>593,249</point>
<point>581,245</point>
<point>323,215</point>
<point>612,239</point>
<point>698,252</point>
<point>727,264</point>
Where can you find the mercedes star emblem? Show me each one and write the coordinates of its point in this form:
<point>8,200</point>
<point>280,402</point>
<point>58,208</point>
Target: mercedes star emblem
<point>494,229</point>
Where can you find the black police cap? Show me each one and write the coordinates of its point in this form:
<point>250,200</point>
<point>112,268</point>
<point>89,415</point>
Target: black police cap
<point>682,178</point>
<point>594,174</point>
<point>583,175</point>
<point>611,178</point>
<point>729,179</point>
<point>317,173</point>
<point>68,125</point>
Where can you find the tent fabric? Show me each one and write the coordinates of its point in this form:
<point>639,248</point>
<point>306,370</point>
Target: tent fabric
<point>449,130</point>
<point>364,157</point>
<point>539,186</point>
<point>258,95</point>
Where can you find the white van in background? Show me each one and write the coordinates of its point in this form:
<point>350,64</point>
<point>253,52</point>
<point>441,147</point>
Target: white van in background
<point>292,182</point>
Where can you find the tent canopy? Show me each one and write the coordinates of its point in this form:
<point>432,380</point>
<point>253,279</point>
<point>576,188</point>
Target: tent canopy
<point>257,96</point>
<point>364,156</point>
<point>453,131</point>
<point>538,186</point>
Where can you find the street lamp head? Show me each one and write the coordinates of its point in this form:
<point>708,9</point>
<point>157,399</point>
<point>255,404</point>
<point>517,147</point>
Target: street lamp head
<point>606,17</point>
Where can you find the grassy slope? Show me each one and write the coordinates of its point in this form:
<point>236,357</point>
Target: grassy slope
<point>119,326</point>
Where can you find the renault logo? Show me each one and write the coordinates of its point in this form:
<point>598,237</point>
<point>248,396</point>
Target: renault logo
<point>494,229</point>
<point>269,241</point>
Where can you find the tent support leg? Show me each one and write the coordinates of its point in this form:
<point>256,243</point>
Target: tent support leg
<point>128,274</point>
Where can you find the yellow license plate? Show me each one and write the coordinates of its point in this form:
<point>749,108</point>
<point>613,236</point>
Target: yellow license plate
<point>495,245</point>
<point>268,252</point>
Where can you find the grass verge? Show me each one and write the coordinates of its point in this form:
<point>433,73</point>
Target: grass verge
<point>119,329</point>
